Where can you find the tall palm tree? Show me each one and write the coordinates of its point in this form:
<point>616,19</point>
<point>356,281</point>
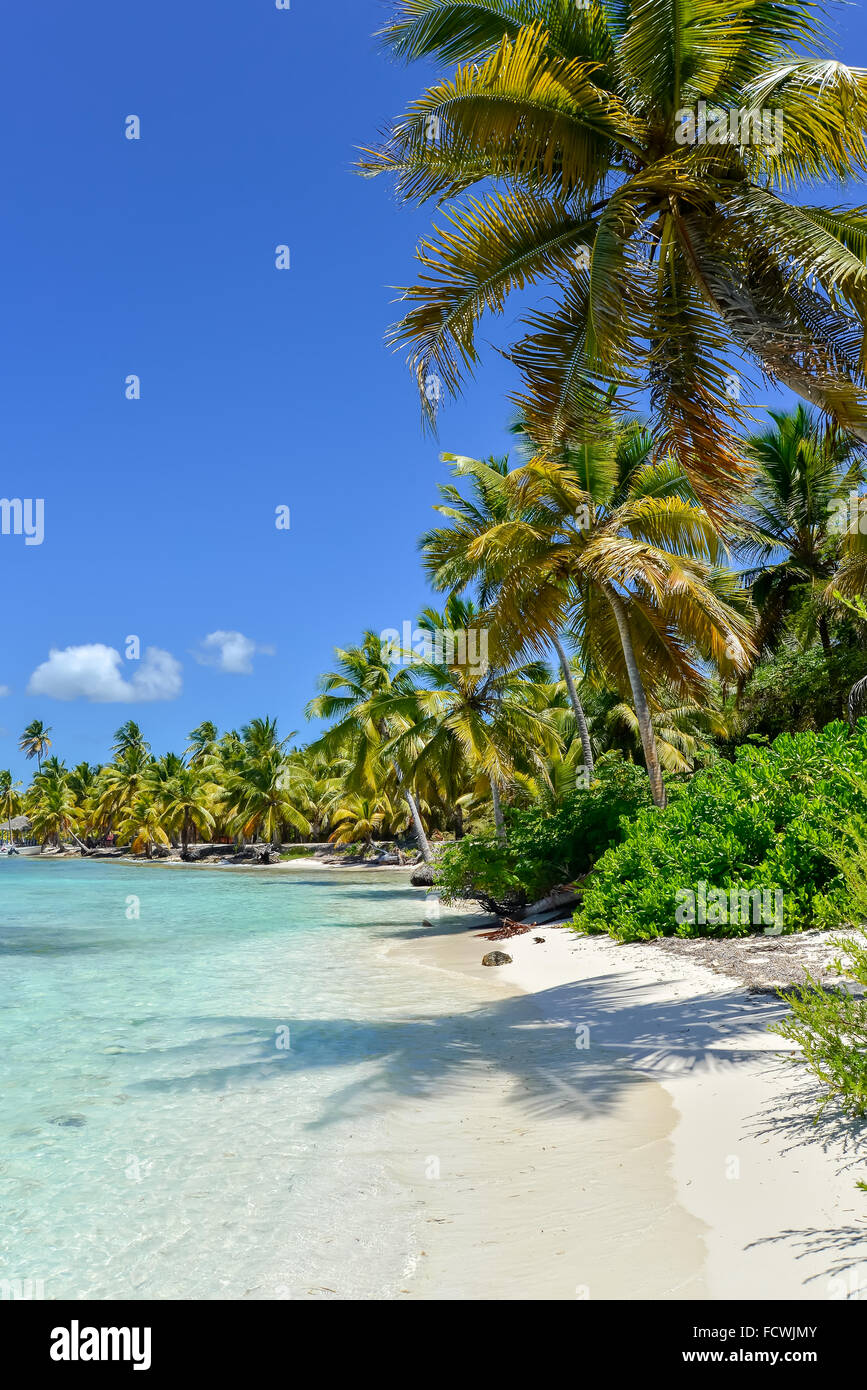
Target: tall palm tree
<point>121,783</point>
<point>352,696</point>
<point>34,741</point>
<point>615,548</point>
<point>488,505</point>
<point>571,148</point>
<point>493,715</point>
<point>804,477</point>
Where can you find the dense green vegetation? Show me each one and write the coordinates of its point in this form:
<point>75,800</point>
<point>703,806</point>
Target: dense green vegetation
<point>770,821</point>
<point>544,847</point>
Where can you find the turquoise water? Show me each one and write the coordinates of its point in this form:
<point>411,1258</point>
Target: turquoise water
<point>195,1075</point>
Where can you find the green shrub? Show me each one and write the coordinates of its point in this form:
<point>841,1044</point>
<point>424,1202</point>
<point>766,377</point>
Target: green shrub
<point>830,1027</point>
<point>771,822</point>
<point>480,868</point>
<point>544,848</point>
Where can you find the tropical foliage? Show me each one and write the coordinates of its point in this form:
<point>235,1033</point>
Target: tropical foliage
<point>636,163</point>
<point>769,823</point>
<point>602,641</point>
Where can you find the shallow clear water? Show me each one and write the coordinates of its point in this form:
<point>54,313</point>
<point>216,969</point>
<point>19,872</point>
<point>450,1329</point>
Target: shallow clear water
<point>195,1072</point>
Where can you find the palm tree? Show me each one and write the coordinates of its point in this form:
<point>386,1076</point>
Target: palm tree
<point>187,805</point>
<point>804,477</point>
<point>34,741</point>
<point>666,238</point>
<point>359,818</point>
<point>615,548</point>
<point>54,814</point>
<point>490,504</point>
<point>10,801</point>
<point>83,782</point>
<point>203,740</point>
<point>684,733</point>
<point>260,796</point>
<point>121,783</point>
<point>128,737</point>
<point>261,735</point>
<point>143,827</point>
<point>353,696</point>
<point>492,715</point>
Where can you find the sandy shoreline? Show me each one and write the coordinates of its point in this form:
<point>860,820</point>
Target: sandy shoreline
<point>666,1152</point>
<point>282,866</point>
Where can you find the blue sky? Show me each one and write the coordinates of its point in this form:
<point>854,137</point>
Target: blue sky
<point>259,387</point>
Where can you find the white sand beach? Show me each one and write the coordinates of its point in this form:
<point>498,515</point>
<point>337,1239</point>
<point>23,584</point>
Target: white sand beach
<point>672,1156</point>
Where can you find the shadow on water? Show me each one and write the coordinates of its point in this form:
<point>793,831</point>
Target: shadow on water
<point>532,1041</point>
<point>57,941</point>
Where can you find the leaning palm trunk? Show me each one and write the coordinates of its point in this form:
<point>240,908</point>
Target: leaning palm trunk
<point>577,707</point>
<point>499,822</point>
<point>423,842</point>
<point>639,698</point>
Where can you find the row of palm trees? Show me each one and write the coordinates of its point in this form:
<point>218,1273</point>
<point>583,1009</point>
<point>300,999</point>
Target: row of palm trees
<point>600,560</point>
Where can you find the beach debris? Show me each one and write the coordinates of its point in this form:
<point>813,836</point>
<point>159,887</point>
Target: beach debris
<point>539,940</point>
<point>496,958</point>
<point>509,928</point>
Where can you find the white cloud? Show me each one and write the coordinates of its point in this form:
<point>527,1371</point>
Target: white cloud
<point>4,691</point>
<point>98,673</point>
<point>230,652</point>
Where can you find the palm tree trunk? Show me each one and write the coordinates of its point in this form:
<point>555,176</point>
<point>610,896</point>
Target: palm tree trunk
<point>423,841</point>
<point>824,636</point>
<point>499,822</point>
<point>639,698</point>
<point>577,707</point>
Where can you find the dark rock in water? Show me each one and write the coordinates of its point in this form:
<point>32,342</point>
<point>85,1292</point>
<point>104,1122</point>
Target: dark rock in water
<point>69,1121</point>
<point>422,877</point>
<point>496,958</point>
